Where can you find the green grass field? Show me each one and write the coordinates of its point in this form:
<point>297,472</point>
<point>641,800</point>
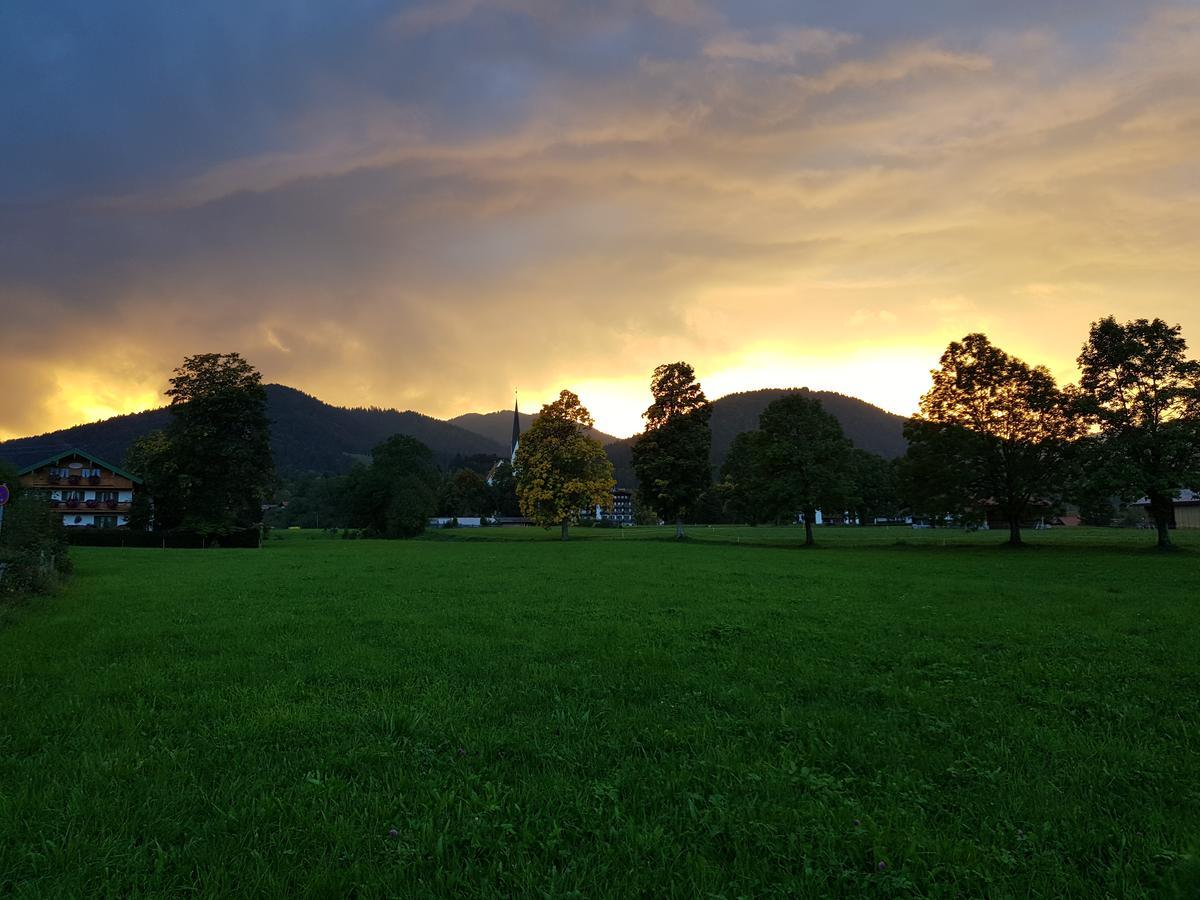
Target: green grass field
<point>895,713</point>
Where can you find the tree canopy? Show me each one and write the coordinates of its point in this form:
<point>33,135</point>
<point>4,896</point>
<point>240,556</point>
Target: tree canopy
<point>211,469</point>
<point>1001,426</point>
<point>395,495</point>
<point>559,469</point>
<point>806,457</point>
<point>1142,395</point>
<point>671,458</point>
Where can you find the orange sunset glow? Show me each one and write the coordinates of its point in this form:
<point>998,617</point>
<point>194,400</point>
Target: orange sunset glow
<point>432,205</point>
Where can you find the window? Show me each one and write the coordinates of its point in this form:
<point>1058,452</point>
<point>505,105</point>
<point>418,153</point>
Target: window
<point>106,521</point>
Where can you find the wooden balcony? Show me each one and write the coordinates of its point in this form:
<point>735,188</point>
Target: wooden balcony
<point>41,482</point>
<point>91,506</point>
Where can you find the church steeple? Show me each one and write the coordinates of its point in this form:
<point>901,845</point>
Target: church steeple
<point>516,434</point>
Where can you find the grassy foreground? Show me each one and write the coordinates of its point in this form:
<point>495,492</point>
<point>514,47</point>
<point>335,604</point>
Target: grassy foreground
<point>500,714</point>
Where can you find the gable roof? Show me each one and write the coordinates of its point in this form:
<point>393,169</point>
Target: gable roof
<point>1185,497</point>
<point>75,451</point>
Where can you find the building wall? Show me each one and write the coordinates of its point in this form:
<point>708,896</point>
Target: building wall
<point>1187,516</point>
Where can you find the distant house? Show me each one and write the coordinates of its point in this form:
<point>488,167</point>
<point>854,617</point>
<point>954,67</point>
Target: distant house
<point>85,491</point>
<point>1185,512</point>
<point>621,511</point>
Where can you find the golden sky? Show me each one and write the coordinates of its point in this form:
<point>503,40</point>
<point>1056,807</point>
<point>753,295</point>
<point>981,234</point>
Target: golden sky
<point>426,206</point>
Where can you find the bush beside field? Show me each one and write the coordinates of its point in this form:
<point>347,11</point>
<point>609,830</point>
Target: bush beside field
<point>33,549</point>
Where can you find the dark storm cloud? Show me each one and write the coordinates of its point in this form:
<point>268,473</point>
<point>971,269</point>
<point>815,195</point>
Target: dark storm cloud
<point>363,196</point>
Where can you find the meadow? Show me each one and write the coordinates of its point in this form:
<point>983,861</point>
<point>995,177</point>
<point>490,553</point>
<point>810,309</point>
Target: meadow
<point>495,713</point>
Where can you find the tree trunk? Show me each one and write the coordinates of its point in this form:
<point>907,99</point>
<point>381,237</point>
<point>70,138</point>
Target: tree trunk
<point>679,535</point>
<point>809,515</point>
<point>566,523</point>
<point>1163,522</point>
<point>1160,508</point>
<point>1014,532</point>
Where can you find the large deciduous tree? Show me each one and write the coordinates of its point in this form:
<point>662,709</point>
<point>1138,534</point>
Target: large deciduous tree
<point>465,493</point>
<point>559,469</point>
<point>671,458</point>
<point>220,438</point>
<point>874,494</point>
<point>395,495</point>
<point>1142,393</point>
<point>1000,428</point>
<point>804,457</point>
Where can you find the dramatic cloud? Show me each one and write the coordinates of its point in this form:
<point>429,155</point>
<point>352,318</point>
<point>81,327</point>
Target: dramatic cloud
<point>426,206</point>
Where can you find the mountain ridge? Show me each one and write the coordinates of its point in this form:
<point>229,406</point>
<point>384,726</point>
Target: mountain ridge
<point>497,426</point>
<point>309,435</point>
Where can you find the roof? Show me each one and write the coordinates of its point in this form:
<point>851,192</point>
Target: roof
<point>75,451</point>
<point>1185,496</point>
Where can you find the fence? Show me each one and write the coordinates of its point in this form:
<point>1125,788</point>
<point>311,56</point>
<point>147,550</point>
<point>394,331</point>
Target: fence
<point>246,538</point>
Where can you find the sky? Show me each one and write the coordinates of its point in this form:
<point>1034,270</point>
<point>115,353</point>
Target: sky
<point>430,205</point>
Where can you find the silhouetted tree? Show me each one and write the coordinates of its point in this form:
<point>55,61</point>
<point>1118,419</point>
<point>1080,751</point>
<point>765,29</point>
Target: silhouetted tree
<point>671,457</point>
<point>938,475</point>
<point>1003,424</point>
<point>159,504</point>
<point>804,457</point>
<point>748,494</point>
<point>397,493</point>
<point>1142,393</point>
<point>873,491</point>
<point>465,493</point>
<point>220,438</point>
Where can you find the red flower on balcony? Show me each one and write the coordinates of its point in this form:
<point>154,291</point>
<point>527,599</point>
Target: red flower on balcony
<point>72,504</point>
<point>91,504</point>
<point>111,504</point>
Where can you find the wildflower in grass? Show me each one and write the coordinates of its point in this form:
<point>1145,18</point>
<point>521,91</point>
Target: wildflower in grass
<point>882,866</point>
<point>393,833</point>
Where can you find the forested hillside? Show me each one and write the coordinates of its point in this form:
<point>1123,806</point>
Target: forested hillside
<point>307,435</point>
<point>497,426</point>
<point>869,427</point>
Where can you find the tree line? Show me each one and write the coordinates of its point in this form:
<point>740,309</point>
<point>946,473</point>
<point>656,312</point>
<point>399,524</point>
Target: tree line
<point>994,437</point>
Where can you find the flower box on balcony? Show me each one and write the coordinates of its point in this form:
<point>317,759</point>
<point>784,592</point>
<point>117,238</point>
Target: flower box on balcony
<point>93,479</point>
<point>72,504</point>
<point>91,504</point>
<point>111,504</point>
<point>73,479</point>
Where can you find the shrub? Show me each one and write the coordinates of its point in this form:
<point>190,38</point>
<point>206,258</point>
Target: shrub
<point>33,552</point>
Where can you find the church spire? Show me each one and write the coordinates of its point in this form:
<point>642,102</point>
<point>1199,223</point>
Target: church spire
<point>516,434</point>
